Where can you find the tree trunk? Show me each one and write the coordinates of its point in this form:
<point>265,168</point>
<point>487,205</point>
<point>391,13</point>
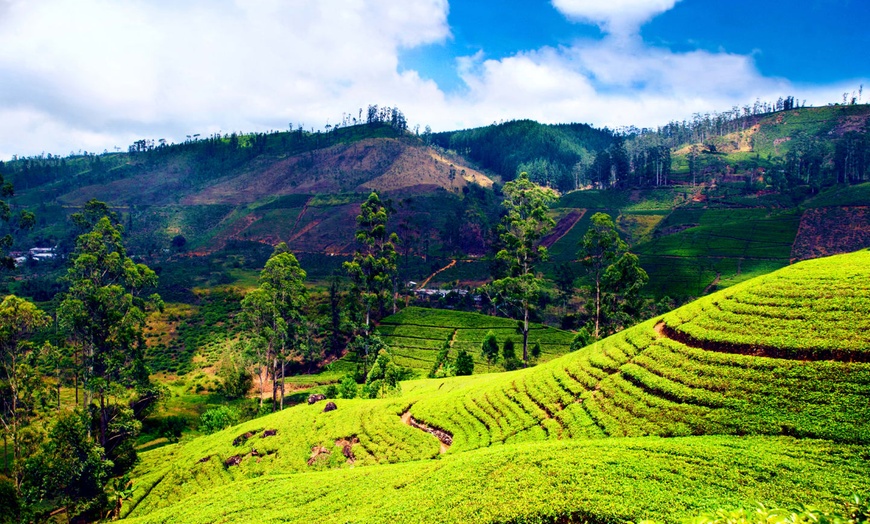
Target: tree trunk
<point>597,305</point>
<point>274,383</point>
<point>282,386</point>
<point>526,336</point>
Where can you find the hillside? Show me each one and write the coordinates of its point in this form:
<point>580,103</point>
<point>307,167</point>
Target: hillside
<point>747,395</point>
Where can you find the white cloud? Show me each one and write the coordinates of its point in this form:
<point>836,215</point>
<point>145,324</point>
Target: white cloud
<point>87,70</point>
<point>613,16</point>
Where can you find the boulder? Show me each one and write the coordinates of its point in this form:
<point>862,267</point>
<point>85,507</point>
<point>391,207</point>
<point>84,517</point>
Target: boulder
<point>330,406</point>
<point>316,398</point>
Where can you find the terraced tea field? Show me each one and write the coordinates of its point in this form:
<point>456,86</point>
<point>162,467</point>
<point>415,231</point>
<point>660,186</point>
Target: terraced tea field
<point>759,393</point>
<point>417,334</point>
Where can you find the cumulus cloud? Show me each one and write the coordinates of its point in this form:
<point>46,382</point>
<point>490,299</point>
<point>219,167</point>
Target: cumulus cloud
<point>613,16</point>
<point>78,71</point>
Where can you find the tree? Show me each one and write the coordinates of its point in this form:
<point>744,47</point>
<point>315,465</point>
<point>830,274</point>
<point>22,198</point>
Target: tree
<point>19,319</point>
<point>464,363</point>
<point>373,269</point>
<point>15,222</point>
<point>103,314</point>
<point>600,247</point>
<point>623,281</point>
<point>523,225</point>
<point>489,348</point>
<point>274,314</point>
<point>70,470</point>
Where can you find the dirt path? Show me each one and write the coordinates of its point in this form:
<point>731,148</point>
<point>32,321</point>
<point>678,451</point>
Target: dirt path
<point>712,284</point>
<point>565,225</point>
<point>448,266</point>
<point>445,438</point>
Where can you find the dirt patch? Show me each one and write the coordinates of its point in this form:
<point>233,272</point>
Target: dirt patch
<point>762,351</point>
<point>318,454</point>
<point>445,268</point>
<point>565,224</point>
<point>443,436</point>
<point>831,231</point>
<point>346,445</point>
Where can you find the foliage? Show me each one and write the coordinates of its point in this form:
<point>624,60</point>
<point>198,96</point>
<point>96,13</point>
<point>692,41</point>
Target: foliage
<point>523,226</point>
<point>273,312</point>
<point>464,363</point>
<point>216,419</point>
<point>599,248</point>
<point>347,388</point>
<point>10,506</point>
<point>70,470</point>
<point>442,366</point>
<point>232,370</point>
<point>489,348</point>
<point>19,319</point>
<point>103,314</point>
<point>383,378</point>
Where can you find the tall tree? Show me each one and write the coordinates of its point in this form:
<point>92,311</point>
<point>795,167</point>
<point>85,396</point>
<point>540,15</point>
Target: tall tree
<point>373,269</point>
<point>103,313</point>
<point>19,319</point>
<point>523,225</point>
<point>14,223</point>
<point>599,248</point>
<point>274,313</point>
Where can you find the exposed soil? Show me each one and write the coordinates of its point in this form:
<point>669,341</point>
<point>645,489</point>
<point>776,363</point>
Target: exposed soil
<point>761,350</point>
<point>445,268</point>
<point>445,438</point>
<point>831,231</point>
<point>565,224</point>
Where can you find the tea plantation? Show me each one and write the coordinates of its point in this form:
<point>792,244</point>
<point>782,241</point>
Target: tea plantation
<point>758,393</point>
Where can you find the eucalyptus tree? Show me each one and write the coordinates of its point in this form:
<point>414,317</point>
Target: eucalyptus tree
<point>524,224</point>
<point>273,312</point>
<point>19,319</point>
<point>373,269</point>
<point>104,314</point>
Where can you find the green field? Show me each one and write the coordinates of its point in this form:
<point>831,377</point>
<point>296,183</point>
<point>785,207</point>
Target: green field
<point>643,424</point>
<point>416,334</point>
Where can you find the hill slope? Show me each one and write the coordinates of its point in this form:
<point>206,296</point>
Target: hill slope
<point>535,434</point>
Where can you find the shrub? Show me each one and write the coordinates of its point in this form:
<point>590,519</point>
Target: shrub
<point>464,363</point>
<point>347,387</point>
<point>171,427</point>
<point>331,391</point>
<point>490,347</point>
<point>216,419</point>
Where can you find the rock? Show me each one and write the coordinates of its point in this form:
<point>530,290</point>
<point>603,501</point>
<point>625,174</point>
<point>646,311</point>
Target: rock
<point>204,459</point>
<point>330,406</point>
<point>241,439</point>
<point>269,433</point>
<point>316,398</point>
<point>235,460</point>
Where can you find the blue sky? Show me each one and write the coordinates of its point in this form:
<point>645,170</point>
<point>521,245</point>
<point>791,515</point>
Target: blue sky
<point>811,41</point>
<point>97,75</point>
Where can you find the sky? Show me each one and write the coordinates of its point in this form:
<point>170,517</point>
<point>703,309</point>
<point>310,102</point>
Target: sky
<point>97,75</point>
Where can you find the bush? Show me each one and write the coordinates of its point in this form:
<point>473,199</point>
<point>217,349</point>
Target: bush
<point>218,418</point>
<point>171,427</point>
<point>464,363</point>
<point>331,391</point>
<point>489,348</point>
<point>347,387</point>
<point>10,507</point>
